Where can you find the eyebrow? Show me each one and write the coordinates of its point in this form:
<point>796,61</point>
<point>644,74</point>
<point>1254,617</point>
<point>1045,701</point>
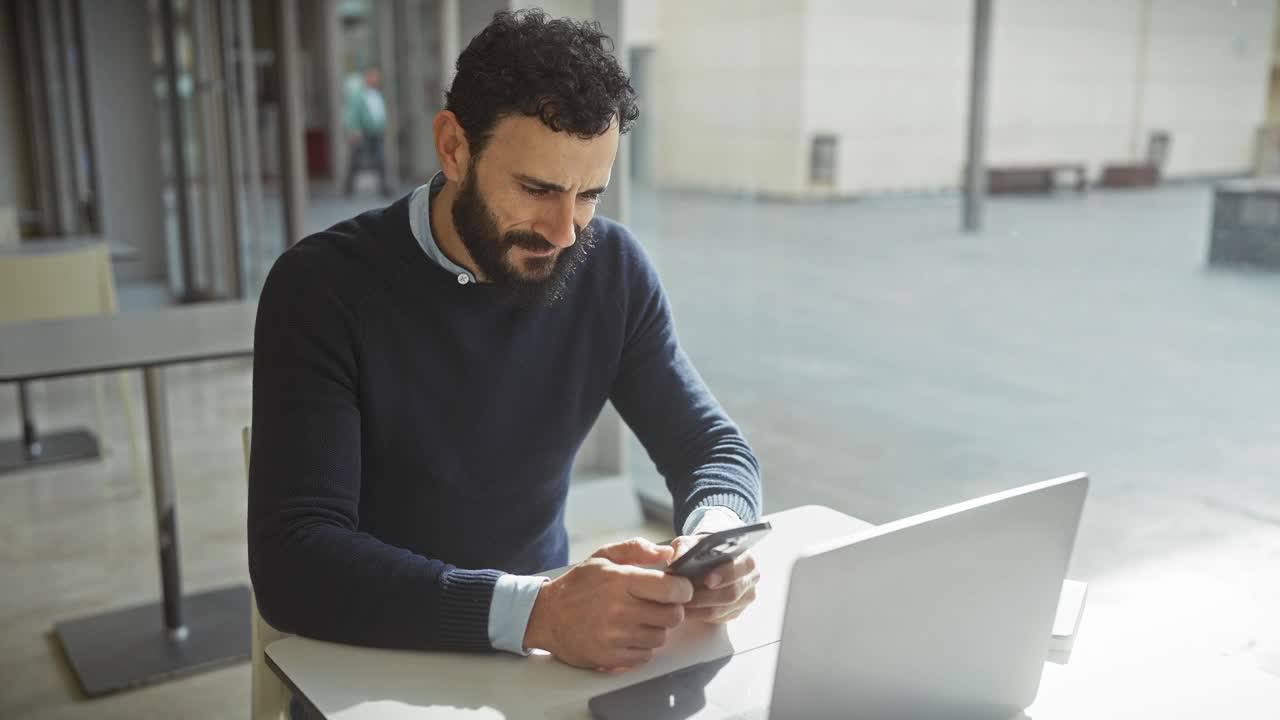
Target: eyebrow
<point>544,185</point>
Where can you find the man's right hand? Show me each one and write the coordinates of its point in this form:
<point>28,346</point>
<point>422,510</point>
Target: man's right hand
<point>606,612</point>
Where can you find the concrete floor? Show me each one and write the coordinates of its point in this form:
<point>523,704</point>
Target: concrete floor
<point>880,362</point>
<point>883,363</point>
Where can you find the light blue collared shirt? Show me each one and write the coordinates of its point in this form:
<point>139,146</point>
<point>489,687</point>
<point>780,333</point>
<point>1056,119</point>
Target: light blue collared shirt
<point>420,225</point>
<point>514,595</point>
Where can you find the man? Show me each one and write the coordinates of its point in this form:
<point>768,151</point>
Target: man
<point>425,373</point>
<point>365,115</point>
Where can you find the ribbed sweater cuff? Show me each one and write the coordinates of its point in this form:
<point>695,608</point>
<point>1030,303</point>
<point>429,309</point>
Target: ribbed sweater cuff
<point>464,608</point>
<point>733,501</point>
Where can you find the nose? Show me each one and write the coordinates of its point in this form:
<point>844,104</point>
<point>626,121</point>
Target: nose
<point>558,224</point>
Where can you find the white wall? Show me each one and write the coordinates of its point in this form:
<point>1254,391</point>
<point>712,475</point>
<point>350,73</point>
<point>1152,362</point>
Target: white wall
<point>1063,81</point>
<point>1208,70</point>
<point>1075,81</point>
<point>576,9</point>
<point>640,18</point>
<point>743,87</point>
<point>728,80</point>
<point>890,79</point>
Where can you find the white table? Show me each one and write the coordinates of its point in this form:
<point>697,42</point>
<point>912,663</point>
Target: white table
<point>1109,675</point>
<point>182,634</point>
<point>351,683</point>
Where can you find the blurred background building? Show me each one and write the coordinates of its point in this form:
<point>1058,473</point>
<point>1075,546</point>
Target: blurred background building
<point>798,175</point>
<point>766,95</point>
<point>782,99</point>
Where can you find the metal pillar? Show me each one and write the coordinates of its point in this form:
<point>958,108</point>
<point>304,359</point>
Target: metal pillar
<point>255,254</point>
<point>178,142</point>
<point>293,169</point>
<point>385,19</point>
<point>164,496</point>
<point>83,203</point>
<point>44,194</point>
<point>63,147</point>
<point>212,182</point>
<point>233,133</point>
<point>333,61</point>
<point>450,46</point>
<point>975,179</point>
<point>418,160</point>
<point>616,203</point>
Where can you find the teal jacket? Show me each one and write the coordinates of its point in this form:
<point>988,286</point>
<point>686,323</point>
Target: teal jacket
<point>357,115</point>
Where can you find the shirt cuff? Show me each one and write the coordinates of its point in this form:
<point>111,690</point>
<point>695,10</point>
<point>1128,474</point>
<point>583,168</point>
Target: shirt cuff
<point>711,518</point>
<point>513,598</point>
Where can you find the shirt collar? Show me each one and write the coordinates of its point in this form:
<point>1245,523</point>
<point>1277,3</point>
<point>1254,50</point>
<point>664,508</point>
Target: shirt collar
<point>420,225</point>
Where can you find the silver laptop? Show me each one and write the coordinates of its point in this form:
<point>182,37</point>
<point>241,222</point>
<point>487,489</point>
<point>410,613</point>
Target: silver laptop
<point>946,614</point>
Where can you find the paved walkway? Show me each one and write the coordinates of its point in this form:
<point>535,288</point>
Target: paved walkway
<point>883,363</point>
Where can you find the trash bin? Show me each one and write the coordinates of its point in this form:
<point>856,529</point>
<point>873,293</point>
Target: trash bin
<point>1246,224</point>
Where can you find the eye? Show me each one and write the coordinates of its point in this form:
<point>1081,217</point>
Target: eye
<point>536,192</point>
<point>591,197</point>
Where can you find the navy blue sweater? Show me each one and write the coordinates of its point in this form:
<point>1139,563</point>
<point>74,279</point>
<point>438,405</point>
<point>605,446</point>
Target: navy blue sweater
<point>413,437</point>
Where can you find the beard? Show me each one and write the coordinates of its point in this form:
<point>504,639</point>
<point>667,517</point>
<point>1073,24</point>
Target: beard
<point>536,281</point>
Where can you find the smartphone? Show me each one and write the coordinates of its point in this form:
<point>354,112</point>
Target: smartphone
<point>716,549</point>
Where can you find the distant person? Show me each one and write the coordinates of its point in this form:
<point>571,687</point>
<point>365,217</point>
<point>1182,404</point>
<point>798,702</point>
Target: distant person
<point>365,117</point>
<point>425,373</point>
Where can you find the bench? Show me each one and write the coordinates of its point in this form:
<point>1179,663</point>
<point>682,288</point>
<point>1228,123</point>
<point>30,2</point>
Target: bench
<point>1033,179</point>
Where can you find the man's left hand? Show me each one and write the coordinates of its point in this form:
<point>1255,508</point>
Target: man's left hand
<point>724,592</point>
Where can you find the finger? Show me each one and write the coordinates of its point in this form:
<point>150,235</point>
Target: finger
<point>636,551</point>
<point>654,614</point>
<point>726,594</point>
<point>722,619</point>
<point>713,598</point>
<point>717,576</point>
<point>702,614</point>
<point>733,612</point>
<point>644,637</point>
<point>627,658</point>
<point>721,613</point>
<point>658,586</point>
<point>744,565</point>
<point>682,544</point>
<point>715,615</point>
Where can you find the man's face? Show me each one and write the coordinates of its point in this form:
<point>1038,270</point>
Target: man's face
<point>523,207</point>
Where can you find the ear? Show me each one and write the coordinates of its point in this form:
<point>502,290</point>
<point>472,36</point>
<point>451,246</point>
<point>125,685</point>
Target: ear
<point>452,149</point>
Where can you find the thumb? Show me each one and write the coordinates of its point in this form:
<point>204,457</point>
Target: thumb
<point>636,551</point>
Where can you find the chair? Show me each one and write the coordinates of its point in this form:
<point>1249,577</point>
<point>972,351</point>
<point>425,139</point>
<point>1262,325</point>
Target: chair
<point>270,699</point>
<point>66,279</point>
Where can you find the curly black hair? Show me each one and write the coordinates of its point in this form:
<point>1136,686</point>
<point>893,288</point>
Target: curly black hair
<point>560,71</point>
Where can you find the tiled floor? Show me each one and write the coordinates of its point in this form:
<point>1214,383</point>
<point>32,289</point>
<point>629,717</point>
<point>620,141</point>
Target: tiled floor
<point>880,362</point>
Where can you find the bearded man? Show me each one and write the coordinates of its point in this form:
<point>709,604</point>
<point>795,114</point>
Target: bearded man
<point>425,373</point>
